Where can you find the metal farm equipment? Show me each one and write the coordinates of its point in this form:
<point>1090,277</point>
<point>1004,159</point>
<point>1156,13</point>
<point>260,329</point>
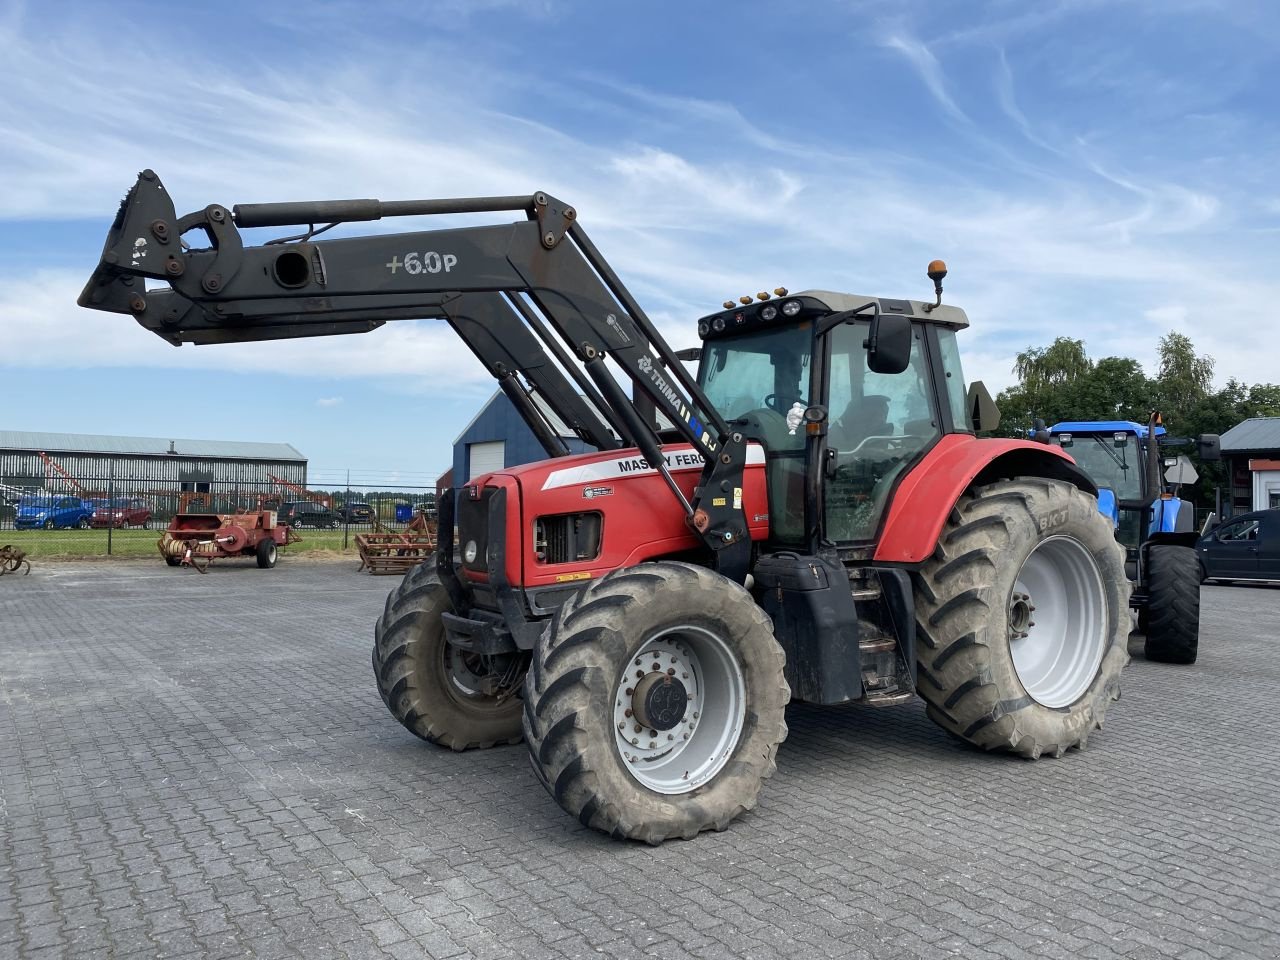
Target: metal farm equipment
<point>388,551</point>
<point>816,519</point>
<point>197,539</point>
<point>12,559</point>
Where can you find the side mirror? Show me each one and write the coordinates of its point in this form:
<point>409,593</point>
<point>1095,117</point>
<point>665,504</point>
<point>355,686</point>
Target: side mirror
<point>982,409</point>
<point>1210,445</point>
<point>693,354</point>
<point>888,343</point>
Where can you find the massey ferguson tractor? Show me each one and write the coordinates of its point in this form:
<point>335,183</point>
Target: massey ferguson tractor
<point>811,517</point>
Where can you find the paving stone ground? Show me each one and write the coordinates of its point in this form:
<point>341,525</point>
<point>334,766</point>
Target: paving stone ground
<point>200,766</point>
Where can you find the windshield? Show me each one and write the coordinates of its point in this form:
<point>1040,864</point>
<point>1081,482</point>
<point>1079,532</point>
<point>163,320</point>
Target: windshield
<point>765,370</point>
<point>756,380</point>
<point>1109,462</point>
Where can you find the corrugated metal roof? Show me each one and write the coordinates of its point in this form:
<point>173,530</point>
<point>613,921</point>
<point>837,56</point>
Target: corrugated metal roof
<point>149,446</point>
<point>1256,433</point>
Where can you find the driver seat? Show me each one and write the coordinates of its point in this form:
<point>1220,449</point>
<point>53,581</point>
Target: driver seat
<point>863,417</point>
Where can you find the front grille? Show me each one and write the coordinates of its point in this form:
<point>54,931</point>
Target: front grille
<point>473,525</point>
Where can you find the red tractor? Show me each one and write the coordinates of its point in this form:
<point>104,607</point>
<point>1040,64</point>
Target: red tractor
<point>811,517</point>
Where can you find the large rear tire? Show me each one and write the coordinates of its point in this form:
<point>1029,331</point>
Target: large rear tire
<point>1023,619</point>
<point>655,703</point>
<point>441,694</point>
<point>1173,611</point>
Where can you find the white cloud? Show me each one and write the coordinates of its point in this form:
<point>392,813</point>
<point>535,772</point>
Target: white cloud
<point>328,401</point>
<point>1075,237</point>
<point>930,70</point>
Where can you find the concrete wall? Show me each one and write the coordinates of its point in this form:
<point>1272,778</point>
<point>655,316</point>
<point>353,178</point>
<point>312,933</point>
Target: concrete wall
<point>1266,483</point>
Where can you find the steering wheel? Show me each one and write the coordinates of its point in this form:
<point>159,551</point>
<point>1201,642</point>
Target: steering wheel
<point>774,401</point>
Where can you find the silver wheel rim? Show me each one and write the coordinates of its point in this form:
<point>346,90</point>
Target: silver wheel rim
<point>465,681</point>
<point>687,755</point>
<point>1057,621</point>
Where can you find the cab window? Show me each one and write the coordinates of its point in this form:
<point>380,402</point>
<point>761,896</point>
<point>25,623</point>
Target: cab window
<point>880,423</point>
<point>1240,531</point>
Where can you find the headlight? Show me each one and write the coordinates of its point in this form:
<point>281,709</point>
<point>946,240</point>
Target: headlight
<point>703,328</point>
<point>718,324</point>
<point>769,312</point>
<point>469,552</point>
<point>791,308</point>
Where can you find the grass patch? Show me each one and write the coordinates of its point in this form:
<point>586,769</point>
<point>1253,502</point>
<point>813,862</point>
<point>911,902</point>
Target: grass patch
<point>142,543</point>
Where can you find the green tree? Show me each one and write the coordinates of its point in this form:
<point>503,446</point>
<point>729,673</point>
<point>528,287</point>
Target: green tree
<point>1045,376</point>
<point>1047,368</point>
<point>1114,389</point>
<point>1184,378</point>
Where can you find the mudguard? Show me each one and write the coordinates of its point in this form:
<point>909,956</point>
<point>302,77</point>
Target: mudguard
<point>926,494</point>
<point>1171,516</point>
<point>1108,507</point>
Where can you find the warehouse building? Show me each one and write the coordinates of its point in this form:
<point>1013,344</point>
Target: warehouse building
<point>1251,450</point>
<point>498,437</point>
<point>151,467</point>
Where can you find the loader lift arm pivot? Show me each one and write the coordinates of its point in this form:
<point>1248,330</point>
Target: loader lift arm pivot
<point>523,296</point>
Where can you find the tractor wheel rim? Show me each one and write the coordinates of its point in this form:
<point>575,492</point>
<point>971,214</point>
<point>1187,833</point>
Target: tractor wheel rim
<point>465,681</point>
<point>1057,621</point>
<point>665,748</point>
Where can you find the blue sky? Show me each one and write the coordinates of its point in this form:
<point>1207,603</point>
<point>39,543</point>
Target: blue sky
<point>1103,170</point>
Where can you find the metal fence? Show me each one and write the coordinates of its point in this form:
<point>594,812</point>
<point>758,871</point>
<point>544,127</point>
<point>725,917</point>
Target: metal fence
<point>90,516</point>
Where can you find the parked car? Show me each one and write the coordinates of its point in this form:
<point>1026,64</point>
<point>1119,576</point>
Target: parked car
<point>51,512</point>
<point>1242,548</point>
<point>307,513</point>
<point>121,512</point>
<point>356,512</point>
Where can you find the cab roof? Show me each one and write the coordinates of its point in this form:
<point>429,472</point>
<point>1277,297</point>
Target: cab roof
<point>1103,426</point>
<point>951,316</point>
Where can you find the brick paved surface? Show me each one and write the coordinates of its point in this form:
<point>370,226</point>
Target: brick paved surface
<point>200,767</point>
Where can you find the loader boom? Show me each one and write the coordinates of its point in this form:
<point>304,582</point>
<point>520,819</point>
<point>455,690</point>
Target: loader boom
<point>531,299</point>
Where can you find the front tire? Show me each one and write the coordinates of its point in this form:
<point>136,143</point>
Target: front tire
<point>687,657</point>
<point>438,692</point>
<point>1023,619</point>
<point>266,554</point>
<point>1173,610</point>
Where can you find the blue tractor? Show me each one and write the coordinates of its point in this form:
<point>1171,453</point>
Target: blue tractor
<point>1138,489</point>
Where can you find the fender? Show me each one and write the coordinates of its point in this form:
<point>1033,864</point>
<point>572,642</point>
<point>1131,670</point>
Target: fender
<point>926,495</point>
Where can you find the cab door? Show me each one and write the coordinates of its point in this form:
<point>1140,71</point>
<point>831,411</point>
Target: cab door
<point>1269,546</point>
<point>880,424</point>
<point>1232,552</point>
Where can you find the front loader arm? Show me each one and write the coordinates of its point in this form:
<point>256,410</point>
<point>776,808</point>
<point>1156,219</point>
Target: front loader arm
<point>528,298</point>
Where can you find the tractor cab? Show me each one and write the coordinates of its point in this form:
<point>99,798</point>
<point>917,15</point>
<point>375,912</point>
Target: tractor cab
<point>1114,453</point>
<point>845,393</point>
